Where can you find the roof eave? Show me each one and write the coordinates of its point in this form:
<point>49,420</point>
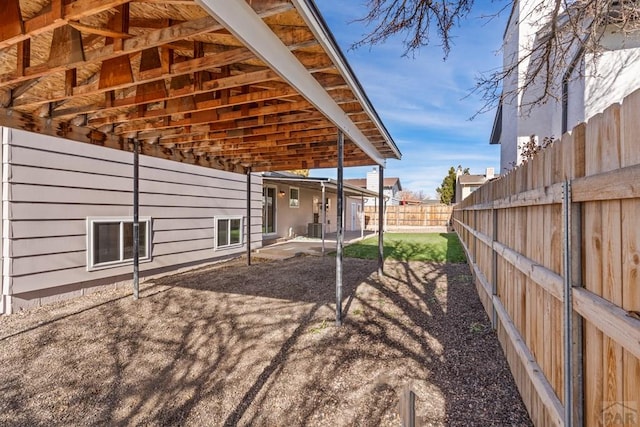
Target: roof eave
<point>309,11</point>
<point>241,20</point>
<point>496,129</point>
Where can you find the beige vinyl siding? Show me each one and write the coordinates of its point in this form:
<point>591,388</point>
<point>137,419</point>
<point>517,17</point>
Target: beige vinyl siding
<point>54,185</point>
<point>4,228</point>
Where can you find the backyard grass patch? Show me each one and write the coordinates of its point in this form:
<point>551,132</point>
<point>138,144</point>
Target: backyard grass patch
<point>438,247</point>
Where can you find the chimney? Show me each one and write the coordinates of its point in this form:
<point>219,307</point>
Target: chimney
<point>490,174</point>
<point>372,180</point>
<point>459,171</point>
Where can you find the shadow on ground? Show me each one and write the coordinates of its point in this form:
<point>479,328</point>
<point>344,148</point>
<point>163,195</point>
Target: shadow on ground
<point>256,345</point>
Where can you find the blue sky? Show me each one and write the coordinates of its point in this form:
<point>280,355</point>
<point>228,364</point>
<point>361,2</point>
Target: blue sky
<point>423,101</point>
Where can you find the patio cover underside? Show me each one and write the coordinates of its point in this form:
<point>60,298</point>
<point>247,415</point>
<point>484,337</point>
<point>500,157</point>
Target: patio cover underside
<point>188,82</point>
<point>316,184</point>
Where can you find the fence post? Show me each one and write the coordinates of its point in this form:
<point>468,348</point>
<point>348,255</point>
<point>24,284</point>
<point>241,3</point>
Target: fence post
<point>475,239</point>
<point>573,361</point>
<point>494,267</point>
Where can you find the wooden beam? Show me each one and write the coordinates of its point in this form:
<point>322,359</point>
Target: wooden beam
<point>206,145</point>
<point>299,129</point>
<point>115,72</point>
<point>11,25</point>
<point>104,32</point>
<point>136,44</point>
<point>119,22</point>
<point>298,107</point>
<point>611,185</point>
<point>23,55</point>
<point>155,90</point>
<point>148,76</point>
<point>71,80</point>
<point>611,319</point>
<point>241,20</point>
<point>248,123</point>
<point>45,126</point>
<point>203,106</point>
<point>48,21</point>
<point>66,47</point>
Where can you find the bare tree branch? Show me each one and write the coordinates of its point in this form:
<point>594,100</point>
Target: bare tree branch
<point>414,19</point>
<point>569,34</point>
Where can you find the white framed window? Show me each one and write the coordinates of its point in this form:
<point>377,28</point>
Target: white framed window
<point>228,231</point>
<point>294,197</point>
<point>110,241</point>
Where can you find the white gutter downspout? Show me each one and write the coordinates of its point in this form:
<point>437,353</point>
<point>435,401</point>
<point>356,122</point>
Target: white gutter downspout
<point>242,21</point>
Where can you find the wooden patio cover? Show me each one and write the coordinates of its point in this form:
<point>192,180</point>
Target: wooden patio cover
<point>227,84</point>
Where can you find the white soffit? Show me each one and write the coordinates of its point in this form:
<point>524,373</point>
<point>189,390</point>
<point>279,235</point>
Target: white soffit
<point>242,21</point>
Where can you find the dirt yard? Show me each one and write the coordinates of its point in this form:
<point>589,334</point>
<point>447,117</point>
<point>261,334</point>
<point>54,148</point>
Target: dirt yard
<point>237,345</point>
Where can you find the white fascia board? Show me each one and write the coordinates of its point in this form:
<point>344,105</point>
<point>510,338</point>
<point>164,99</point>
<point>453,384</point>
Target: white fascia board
<point>242,21</point>
<point>308,13</point>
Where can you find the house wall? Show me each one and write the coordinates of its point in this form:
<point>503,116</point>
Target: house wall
<point>509,132</point>
<point>592,87</point>
<point>613,78</point>
<point>391,192</point>
<point>292,222</point>
<point>373,181</point>
<point>51,187</point>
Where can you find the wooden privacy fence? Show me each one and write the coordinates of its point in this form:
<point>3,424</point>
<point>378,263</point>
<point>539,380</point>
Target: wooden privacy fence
<point>555,251</point>
<point>410,216</point>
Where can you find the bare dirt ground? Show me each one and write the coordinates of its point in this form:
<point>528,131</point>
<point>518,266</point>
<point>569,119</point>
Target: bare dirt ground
<point>237,345</point>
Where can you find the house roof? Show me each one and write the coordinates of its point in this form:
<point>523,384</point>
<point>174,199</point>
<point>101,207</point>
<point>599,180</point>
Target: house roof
<point>362,182</point>
<point>496,129</point>
<point>472,179</point>
<point>358,182</point>
<point>228,85</point>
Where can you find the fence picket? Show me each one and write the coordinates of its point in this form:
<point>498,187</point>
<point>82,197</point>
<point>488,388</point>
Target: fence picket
<point>630,155</point>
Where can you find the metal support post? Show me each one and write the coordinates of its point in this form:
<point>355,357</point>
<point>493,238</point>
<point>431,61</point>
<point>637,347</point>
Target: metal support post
<point>494,269</point>
<point>375,209</point>
<point>380,221</point>
<point>248,237</point>
<point>324,215</point>
<point>339,233</point>
<point>136,220</point>
<point>475,239</point>
<point>361,216</point>
<point>573,361</point>
<point>572,336</point>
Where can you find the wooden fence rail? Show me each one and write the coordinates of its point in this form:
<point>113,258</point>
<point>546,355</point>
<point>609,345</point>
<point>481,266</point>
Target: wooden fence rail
<point>410,216</point>
<point>554,247</point>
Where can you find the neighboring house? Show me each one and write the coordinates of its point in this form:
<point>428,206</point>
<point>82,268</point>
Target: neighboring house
<point>67,217</point>
<point>467,184</point>
<point>583,88</point>
<point>428,201</point>
<point>391,188</point>
<point>292,206</point>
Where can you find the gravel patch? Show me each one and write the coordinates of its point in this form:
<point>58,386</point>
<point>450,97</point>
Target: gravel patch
<point>238,345</point>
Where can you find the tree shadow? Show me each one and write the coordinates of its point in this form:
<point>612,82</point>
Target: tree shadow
<point>255,346</point>
<point>462,355</point>
<point>455,253</point>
